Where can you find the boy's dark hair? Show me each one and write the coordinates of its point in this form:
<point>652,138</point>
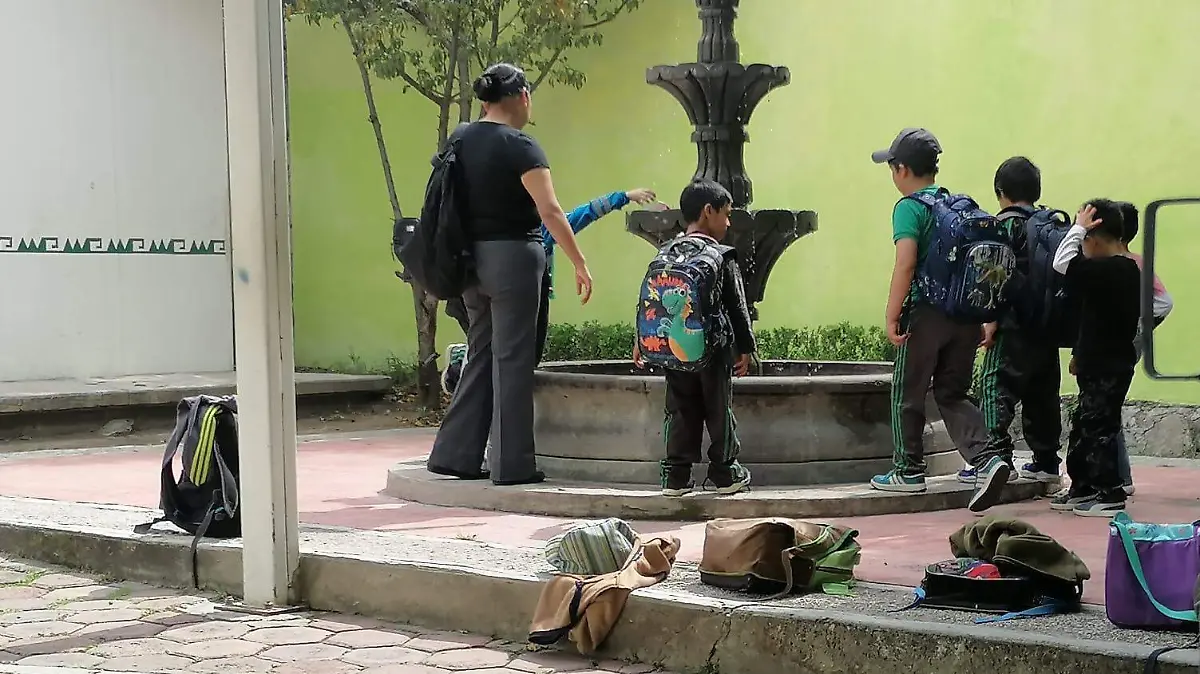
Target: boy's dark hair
<point>1129,221</point>
<point>921,167</point>
<point>1108,212</point>
<point>702,193</point>
<point>1018,180</point>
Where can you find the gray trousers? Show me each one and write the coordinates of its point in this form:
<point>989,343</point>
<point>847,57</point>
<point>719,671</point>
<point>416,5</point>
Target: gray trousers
<point>941,352</point>
<point>495,394</point>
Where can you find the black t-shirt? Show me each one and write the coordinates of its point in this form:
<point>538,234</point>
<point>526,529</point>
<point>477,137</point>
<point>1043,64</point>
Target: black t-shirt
<point>494,157</point>
<point>1110,291</point>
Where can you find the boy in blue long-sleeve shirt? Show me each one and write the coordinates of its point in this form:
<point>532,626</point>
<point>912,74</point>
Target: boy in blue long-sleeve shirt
<point>579,218</point>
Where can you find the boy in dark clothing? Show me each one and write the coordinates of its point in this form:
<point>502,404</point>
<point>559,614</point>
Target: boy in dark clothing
<point>1020,365</point>
<point>931,347</point>
<point>704,398</point>
<point>1161,308</point>
<point>1109,286</point>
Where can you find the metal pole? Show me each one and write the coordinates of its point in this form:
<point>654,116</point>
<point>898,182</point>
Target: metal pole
<point>262,297</point>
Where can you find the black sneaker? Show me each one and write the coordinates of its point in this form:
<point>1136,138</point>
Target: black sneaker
<point>1067,500</point>
<point>676,480</point>
<point>1100,507</point>
<point>729,479</point>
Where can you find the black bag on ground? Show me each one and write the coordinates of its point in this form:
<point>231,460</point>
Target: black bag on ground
<point>436,254</point>
<point>967,584</point>
<point>203,501</point>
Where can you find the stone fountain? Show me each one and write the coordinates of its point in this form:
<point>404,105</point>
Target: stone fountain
<point>803,426</point>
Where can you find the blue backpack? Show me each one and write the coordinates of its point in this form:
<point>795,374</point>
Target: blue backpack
<point>679,313</point>
<point>969,261</point>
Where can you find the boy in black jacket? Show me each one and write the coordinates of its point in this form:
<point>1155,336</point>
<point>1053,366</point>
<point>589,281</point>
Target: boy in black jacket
<point>696,399</point>
<point>1109,286</point>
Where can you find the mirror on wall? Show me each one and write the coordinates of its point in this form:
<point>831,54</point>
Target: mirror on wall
<point>1170,241</point>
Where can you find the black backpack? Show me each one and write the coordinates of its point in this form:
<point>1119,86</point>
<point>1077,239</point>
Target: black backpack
<point>203,501</point>
<point>437,253</point>
<point>1045,307</point>
<point>1010,590</point>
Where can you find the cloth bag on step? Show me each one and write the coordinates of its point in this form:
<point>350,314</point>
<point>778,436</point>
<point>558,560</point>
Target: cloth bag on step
<point>1151,575</point>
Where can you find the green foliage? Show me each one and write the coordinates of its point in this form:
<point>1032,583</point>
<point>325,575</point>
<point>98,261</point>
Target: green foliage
<point>843,341</point>
<point>438,48</point>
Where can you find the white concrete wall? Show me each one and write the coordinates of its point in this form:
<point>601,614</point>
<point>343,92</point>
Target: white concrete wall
<point>112,128</point>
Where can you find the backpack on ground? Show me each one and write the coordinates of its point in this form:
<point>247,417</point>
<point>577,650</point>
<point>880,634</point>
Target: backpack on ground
<point>203,501</point>
<point>979,586</point>
<point>777,556</point>
<point>679,312</point>
<point>1046,307</point>
<point>969,261</point>
<point>437,254</point>
<point>591,548</point>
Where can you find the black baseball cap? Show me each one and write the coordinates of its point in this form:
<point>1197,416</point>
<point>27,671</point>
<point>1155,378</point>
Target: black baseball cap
<point>912,146</point>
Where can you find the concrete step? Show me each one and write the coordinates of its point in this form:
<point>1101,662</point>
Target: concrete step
<point>679,624</point>
<point>410,481</point>
<point>49,408</point>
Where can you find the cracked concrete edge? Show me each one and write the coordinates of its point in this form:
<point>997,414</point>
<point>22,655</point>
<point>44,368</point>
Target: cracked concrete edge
<point>692,635</point>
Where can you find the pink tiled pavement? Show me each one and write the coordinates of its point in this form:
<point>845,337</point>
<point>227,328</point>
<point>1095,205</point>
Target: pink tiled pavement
<point>339,482</point>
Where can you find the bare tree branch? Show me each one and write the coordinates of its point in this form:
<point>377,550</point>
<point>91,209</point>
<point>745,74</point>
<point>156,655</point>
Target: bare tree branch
<point>546,71</point>
<point>416,86</point>
<point>616,12</point>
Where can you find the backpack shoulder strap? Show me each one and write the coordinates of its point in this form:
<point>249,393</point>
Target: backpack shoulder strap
<point>927,198</point>
<point>1015,212</point>
<point>186,415</point>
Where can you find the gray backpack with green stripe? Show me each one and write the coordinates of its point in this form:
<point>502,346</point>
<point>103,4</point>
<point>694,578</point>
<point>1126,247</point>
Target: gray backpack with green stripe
<point>203,500</point>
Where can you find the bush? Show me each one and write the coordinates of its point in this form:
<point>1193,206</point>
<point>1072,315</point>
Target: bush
<point>843,341</point>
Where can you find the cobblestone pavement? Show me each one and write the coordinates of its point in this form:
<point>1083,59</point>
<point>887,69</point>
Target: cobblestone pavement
<point>58,622</point>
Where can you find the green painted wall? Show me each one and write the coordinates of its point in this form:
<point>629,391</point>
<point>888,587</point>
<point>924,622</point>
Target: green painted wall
<point>1103,94</point>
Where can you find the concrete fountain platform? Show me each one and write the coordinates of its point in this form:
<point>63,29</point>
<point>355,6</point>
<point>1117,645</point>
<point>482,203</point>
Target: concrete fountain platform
<point>410,481</point>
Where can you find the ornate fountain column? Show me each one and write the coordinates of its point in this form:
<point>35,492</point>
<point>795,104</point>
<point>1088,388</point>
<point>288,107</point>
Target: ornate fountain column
<point>719,95</point>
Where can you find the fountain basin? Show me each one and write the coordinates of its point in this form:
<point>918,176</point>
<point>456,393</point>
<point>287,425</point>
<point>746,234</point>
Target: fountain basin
<point>799,423</point>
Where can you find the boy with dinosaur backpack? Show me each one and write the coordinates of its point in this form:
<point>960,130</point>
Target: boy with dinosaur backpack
<point>579,218</point>
<point>1021,363</point>
<point>952,264</point>
<point>693,321</point>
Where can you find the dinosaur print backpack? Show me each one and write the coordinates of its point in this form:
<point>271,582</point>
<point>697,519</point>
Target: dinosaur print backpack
<point>679,313</point>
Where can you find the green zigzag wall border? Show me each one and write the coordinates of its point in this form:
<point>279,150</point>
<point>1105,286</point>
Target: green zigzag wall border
<point>101,246</point>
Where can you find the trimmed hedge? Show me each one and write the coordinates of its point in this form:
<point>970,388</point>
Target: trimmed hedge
<point>842,341</point>
<point>614,341</point>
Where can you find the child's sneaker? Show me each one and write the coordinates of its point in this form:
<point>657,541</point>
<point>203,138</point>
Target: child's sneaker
<point>1099,507</point>
<point>989,484</point>
<point>1067,500</point>
<point>968,475</point>
<point>456,360</point>
<point>894,480</point>
<point>729,479</point>
<point>1033,471</point>
<point>676,480</point>
<point>1129,489</point>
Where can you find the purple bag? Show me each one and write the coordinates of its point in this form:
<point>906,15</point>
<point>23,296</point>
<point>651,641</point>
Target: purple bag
<point>1151,574</point>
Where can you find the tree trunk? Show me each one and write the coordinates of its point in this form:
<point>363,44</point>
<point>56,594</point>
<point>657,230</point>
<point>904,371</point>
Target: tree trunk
<point>429,391</point>
<point>466,95</point>
<point>424,306</point>
<point>373,116</point>
<point>447,97</point>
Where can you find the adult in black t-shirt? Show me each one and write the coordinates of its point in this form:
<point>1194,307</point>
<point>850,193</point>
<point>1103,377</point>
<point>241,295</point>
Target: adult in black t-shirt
<point>1108,285</point>
<point>508,194</point>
